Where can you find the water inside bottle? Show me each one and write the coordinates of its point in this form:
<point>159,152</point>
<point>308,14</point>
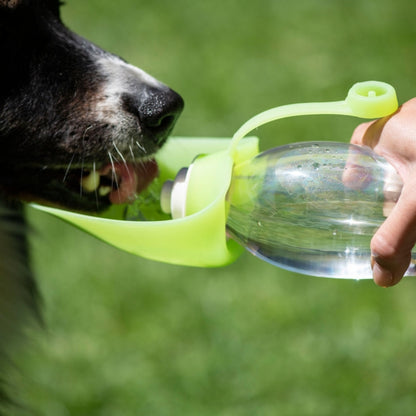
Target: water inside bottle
<point>312,210</point>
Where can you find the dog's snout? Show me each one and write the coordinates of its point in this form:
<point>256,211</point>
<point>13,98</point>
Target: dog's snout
<point>156,109</point>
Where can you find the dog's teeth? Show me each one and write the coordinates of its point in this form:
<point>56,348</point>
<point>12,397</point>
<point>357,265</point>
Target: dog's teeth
<point>104,190</point>
<point>91,182</point>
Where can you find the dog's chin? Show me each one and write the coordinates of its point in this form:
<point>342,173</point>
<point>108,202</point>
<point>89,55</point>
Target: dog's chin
<point>89,190</point>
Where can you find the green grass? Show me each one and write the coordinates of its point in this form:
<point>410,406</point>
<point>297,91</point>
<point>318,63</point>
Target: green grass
<point>127,336</point>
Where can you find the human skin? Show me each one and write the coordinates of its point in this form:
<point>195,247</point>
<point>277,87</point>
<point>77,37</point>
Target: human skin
<point>394,138</point>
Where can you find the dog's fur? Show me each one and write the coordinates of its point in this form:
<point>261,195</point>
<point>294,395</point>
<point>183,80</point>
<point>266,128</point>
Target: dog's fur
<point>66,106</point>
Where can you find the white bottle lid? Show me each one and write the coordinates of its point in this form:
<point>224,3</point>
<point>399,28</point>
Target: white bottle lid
<point>173,194</point>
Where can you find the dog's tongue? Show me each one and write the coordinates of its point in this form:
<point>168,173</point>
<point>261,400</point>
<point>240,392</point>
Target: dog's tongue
<point>132,178</point>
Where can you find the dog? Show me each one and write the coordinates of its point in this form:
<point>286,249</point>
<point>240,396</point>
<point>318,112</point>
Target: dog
<point>78,129</point>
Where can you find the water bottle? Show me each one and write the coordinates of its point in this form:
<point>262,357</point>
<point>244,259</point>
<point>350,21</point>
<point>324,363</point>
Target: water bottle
<point>313,207</point>
<point>309,207</point>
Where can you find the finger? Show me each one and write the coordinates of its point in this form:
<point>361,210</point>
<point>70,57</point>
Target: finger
<point>355,175</point>
<point>358,169</point>
<point>360,132</point>
<point>392,244</point>
<point>369,134</point>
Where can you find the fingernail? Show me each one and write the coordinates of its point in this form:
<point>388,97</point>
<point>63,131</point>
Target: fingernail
<point>382,276</point>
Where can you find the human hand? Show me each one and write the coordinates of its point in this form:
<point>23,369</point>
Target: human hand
<point>394,138</point>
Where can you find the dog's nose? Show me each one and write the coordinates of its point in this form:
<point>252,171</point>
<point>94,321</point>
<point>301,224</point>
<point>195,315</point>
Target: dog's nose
<point>157,110</point>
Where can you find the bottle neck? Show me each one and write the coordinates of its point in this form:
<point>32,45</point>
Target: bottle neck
<point>173,194</point>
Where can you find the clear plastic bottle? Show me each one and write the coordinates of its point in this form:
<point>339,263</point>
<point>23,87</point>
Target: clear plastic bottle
<point>313,207</point>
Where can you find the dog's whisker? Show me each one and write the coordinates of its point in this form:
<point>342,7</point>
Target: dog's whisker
<point>142,149</point>
<point>68,168</point>
<point>113,170</point>
<point>94,171</point>
<point>124,161</point>
<point>81,174</point>
<point>85,133</point>
<point>120,154</point>
<point>131,152</point>
<point>115,158</point>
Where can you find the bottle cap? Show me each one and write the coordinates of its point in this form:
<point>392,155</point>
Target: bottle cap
<point>173,194</point>
<point>372,99</point>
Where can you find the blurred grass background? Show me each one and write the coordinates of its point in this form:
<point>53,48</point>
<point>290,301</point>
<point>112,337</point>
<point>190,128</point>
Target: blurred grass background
<point>127,336</point>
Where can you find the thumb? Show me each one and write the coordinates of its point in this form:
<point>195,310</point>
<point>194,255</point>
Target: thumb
<point>391,245</point>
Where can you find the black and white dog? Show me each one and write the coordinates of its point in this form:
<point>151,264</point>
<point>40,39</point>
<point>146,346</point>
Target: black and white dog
<point>78,128</point>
